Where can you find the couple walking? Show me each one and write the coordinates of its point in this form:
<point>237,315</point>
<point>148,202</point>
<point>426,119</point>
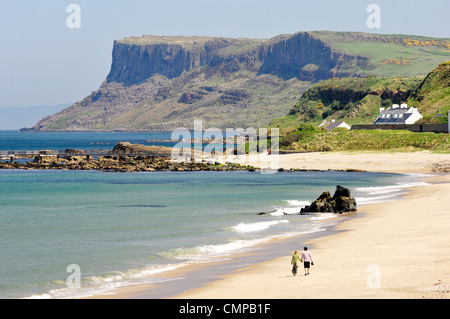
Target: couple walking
<point>306,258</point>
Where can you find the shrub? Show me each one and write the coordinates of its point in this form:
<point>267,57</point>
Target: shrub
<point>306,127</point>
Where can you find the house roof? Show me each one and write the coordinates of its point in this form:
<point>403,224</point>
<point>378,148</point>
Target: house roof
<point>334,125</point>
<point>394,116</point>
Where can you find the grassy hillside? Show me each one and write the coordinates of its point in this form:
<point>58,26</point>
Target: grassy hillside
<point>432,96</point>
<point>390,55</point>
<point>354,100</point>
<point>357,101</point>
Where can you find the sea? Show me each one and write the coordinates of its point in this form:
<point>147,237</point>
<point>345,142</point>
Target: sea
<point>75,234</point>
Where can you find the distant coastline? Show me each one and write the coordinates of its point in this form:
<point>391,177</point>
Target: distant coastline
<point>31,130</point>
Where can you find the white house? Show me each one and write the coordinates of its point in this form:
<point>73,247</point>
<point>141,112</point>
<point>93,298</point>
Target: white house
<point>398,115</point>
<point>335,124</point>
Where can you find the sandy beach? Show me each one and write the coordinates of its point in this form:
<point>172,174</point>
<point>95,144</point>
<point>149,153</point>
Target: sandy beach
<point>398,249</point>
<point>371,161</point>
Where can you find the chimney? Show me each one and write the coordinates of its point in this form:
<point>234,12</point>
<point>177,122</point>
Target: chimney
<point>332,121</point>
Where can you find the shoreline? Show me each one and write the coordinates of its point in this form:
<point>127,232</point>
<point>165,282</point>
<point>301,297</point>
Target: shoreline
<point>370,257</point>
<point>369,161</point>
<point>335,278</point>
<point>203,274</point>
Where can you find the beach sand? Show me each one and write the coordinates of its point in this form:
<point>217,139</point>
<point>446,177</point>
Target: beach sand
<point>397,249</point>
<point>371,161</point>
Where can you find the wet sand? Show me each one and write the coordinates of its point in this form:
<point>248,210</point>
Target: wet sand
<point>399,249</point>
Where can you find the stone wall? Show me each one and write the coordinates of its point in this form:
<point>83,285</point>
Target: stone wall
<point>436,128</point>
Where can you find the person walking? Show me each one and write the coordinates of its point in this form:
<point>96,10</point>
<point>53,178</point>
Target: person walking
<point>307,260</point>
<point>295,260</point>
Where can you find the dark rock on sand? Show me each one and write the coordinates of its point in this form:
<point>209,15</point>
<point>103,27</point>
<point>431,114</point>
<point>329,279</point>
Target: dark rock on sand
<point>340,202</point>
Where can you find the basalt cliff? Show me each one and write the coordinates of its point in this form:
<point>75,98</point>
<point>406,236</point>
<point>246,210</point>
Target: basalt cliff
<point>159,83</point>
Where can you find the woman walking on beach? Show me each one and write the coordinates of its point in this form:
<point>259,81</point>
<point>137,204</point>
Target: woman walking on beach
<point>307,260</point>
<point>295,260</point>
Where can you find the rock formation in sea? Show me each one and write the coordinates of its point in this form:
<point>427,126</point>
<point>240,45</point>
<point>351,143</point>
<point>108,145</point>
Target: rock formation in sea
<point>340,202</point>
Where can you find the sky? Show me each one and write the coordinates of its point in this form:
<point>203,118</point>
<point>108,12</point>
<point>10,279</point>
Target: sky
<point>43,61</point>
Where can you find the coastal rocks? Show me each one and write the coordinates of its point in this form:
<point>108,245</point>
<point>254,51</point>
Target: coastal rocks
<point>127,147</point>
<point>441,167</point>
<point>124,157</point>
<point>122,164</point>
<point>340,202</point>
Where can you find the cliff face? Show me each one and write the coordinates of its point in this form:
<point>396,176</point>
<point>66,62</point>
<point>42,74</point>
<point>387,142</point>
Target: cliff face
<point>305,57</point>
<point>132,64</point>
<point>165,82</point>
<point>286,58</point>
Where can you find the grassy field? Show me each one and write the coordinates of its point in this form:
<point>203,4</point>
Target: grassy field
<point>370,140</point>
<point>391,55</point>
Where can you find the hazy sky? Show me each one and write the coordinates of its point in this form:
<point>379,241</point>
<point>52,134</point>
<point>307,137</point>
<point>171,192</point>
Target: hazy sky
<point>43,62</point>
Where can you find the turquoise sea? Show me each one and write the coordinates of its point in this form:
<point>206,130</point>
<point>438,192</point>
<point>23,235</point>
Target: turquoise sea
<point>15,141</point>
<point>128,228</point>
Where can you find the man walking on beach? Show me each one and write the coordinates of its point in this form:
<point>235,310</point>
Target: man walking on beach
<point>295,260</point>
<point>307,260</point>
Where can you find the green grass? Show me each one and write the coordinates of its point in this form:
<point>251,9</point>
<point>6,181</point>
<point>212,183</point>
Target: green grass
<point>379,52</point>
<point>353,100</point>
<point>385,48</point>
<point>370,140</point>
<point>63,122</point>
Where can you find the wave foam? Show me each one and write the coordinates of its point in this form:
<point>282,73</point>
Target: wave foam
<point>105,285</point>
<point>378,194</point>
<point>389,189</point>
<point>293,207</point>
<point>255,227</point>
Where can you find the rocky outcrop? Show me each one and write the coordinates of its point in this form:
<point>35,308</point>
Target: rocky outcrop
<point>159,83</point>
<point>120,164</point>
<point>125,157</point>
<point>288,57</point>
<point>340,202</point>
<point>132,64</point>
<point>127,147</point>
<point>284,56</point>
